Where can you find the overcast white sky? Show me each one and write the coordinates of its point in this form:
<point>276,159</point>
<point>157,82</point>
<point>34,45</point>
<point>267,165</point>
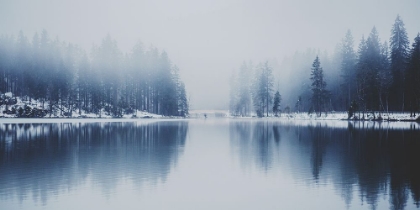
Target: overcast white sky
<point>210,38</point>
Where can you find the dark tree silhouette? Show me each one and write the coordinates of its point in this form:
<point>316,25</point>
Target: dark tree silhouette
<point>319,91</point>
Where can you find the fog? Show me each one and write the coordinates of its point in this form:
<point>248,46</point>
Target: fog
<point>208,40</point>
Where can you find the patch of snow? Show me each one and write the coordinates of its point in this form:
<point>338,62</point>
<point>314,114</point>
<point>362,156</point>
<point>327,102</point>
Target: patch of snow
<point>57,113</point>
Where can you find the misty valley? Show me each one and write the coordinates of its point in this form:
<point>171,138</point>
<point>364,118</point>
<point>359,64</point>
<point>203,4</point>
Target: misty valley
<point>375,79</point>
<point>50,78</point>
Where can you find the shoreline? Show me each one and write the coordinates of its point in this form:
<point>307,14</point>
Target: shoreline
<point>151,119</point>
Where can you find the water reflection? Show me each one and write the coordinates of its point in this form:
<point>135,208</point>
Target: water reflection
<point>41,160</point>
<point>370,161</point>
<point>256,141</point>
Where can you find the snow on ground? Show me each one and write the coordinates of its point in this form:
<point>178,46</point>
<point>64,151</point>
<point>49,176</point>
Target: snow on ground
<point>392,116</point>
<point>302,116</point>
<point>57,113</point>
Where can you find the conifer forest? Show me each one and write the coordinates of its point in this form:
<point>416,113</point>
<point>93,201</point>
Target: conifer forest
<point>375,76</point>
<point>60,78</point>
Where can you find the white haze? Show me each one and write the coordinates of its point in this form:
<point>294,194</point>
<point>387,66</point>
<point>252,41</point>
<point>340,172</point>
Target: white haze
<point>209,39</point>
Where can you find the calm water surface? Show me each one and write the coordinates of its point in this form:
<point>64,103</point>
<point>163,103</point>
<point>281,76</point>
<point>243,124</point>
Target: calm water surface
<point>209,164</point>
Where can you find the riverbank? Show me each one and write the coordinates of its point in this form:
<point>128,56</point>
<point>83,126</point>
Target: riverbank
<point>16,107</point>
<point>391,116</point>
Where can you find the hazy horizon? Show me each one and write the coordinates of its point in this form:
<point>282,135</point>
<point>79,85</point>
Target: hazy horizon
<point>207,40</point>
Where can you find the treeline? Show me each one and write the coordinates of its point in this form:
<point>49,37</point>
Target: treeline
<point>252,89</point>
<point>61,76</point>
<point>377,77</point>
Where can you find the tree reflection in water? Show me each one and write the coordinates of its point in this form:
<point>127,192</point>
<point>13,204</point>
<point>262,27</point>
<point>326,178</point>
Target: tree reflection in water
<point>41,160</point>
<point>373,161</point>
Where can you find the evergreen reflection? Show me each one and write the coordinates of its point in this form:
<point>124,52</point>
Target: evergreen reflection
<point>40,160</point>
<point>256,140</point>
<point>372,160</point>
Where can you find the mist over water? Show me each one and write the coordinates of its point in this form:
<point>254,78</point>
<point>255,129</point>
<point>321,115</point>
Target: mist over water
<point>207,40</point>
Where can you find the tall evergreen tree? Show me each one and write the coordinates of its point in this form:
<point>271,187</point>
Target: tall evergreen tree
<point>399,45</point>
<point>139,75</point>
<point>348,68</point>
<point>83,84</point>
<point>167,90</point>
<point>23,64</point>
<point>276,103</point>
<point>241,91</point>
<point>385,78</point>
<point>234,95</point>
<point>412,80</point>
<point>183,104</point>
<point>361,77</point>
<point>319,91</point>
<point>265,88</point>
<point>244,100</point>
<point>106,65</point>
<point>369,68</point>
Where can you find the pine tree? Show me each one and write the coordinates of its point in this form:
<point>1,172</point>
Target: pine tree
<point>348,67</point>
<point>265,88</point>
<point>369,69</point>
<point>361,77</point>
<point>244,94</point>
<point>374,69</point>
<point>276,103</point>
<point>385,78</point>
<point>413,78</point>
<point>83,76</point>
<point>241,91</point>
<point>43,76</point>
<point>183,104</point>
<point>23,64</point>
<point>319,92</point>
<point>399,45</point>
<point>139,75</point>
<point>167,99</point>
<point>106,64</point>
<point>234,95</point>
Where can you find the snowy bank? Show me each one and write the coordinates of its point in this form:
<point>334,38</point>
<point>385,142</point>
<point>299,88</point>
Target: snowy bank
<point>16,107</point>
<point>391,116</point>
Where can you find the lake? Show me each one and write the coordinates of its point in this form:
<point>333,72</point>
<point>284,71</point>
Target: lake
<point>209,164</point>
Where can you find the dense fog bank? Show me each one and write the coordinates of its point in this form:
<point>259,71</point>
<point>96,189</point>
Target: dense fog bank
<point>58,78</point>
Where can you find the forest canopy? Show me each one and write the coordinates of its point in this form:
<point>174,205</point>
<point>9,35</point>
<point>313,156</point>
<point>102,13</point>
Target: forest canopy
<point>61,78</point>
<point>378,76</point>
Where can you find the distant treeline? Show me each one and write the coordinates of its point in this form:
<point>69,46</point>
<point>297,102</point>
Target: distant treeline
<point>376,77</point>
<point>61,75</point>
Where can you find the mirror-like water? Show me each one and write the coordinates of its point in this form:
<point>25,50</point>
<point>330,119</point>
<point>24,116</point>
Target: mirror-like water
<point>209,164</point>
